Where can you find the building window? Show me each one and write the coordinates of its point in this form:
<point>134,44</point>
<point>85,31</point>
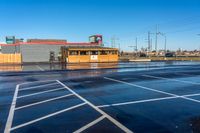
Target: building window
<point>103,52</point>
<point>94,52</point>
<point>84,52</point>
<point>113,52</point>
<point>73,53</point>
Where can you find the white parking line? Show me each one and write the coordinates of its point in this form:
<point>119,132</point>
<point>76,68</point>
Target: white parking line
<point>11,112</point>
<point>52,99</point>
<point>190,95</point>
<point>147,100</point>
<point>134,102</point>
<point>47,116</point>
<point>40,81</point>
<point>38,86</point>
<point>182,81</point>
<point>118,124</point>
<point>89,125</point>
<point>146,88</point>
<point>42,92</point>
<point>41,69</point>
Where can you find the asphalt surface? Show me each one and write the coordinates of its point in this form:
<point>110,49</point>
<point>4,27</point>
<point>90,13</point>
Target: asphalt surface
<point>154,97</point>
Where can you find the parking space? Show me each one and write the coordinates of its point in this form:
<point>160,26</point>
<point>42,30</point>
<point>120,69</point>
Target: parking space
<point>39,104</point>
<point>103,91</point>
<point>164,116</point>
<point>155,100</point>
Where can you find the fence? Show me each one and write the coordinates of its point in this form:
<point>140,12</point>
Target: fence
<point>10,59</point>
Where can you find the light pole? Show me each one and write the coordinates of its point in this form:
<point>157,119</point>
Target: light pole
<point>165,43</point>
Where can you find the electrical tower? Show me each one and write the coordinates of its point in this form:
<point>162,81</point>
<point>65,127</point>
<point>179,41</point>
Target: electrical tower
<point>135,47</point>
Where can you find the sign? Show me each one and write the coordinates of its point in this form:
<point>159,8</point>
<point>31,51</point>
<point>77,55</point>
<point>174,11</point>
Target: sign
<point>94,57</point>
<point>10,39</point>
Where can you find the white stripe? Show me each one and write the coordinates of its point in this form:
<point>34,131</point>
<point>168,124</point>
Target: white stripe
<point>47,116</point>
<point>148,100</point>
<point>134,102</point>
<point>187,82</point>
<point>42,92</point>
<point>52,99</point>
<point>11,112</point>
<point>41,69</point>
<point>38,86</point>
<point>40,81</point>
<point>125,129</point>
<point>89,125</point>
<point>190,95</point>
<point>146,88</point>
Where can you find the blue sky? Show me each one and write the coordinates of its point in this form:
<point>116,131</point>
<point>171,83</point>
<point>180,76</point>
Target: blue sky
<point>75,20</point>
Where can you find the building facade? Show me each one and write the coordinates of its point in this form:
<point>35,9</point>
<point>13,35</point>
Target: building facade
<point>41,50</point>
<point>88,54</point>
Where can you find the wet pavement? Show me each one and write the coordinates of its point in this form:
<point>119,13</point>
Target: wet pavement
<point>126,66</point>
<point>151,97</point>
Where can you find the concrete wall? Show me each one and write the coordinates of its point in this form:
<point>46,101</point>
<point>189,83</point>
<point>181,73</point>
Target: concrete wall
<point>10,49</point>
<point>38,53</point>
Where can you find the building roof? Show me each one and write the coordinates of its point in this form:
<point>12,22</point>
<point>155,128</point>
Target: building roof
<point>89,48</point>
<point>50,43</point>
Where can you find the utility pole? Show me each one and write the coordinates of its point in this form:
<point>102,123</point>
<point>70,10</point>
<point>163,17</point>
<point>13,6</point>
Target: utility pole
<point>165,45</point>
<point>199,46</point>
<point>113,41</point>
<point>136,43</point>
<point>149,48</point>
<point>135,47</point>
<point>156,39</point>
<point>149,41</point>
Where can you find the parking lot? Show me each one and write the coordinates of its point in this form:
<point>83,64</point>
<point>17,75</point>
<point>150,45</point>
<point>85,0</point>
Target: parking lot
<point>147,97</point>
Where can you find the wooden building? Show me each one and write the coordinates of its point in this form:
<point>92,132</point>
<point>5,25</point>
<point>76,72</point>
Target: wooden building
<point>88,54</point>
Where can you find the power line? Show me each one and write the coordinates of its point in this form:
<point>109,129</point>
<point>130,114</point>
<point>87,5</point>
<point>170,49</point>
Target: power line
<point>188,29</point>
<point>135,47</point>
